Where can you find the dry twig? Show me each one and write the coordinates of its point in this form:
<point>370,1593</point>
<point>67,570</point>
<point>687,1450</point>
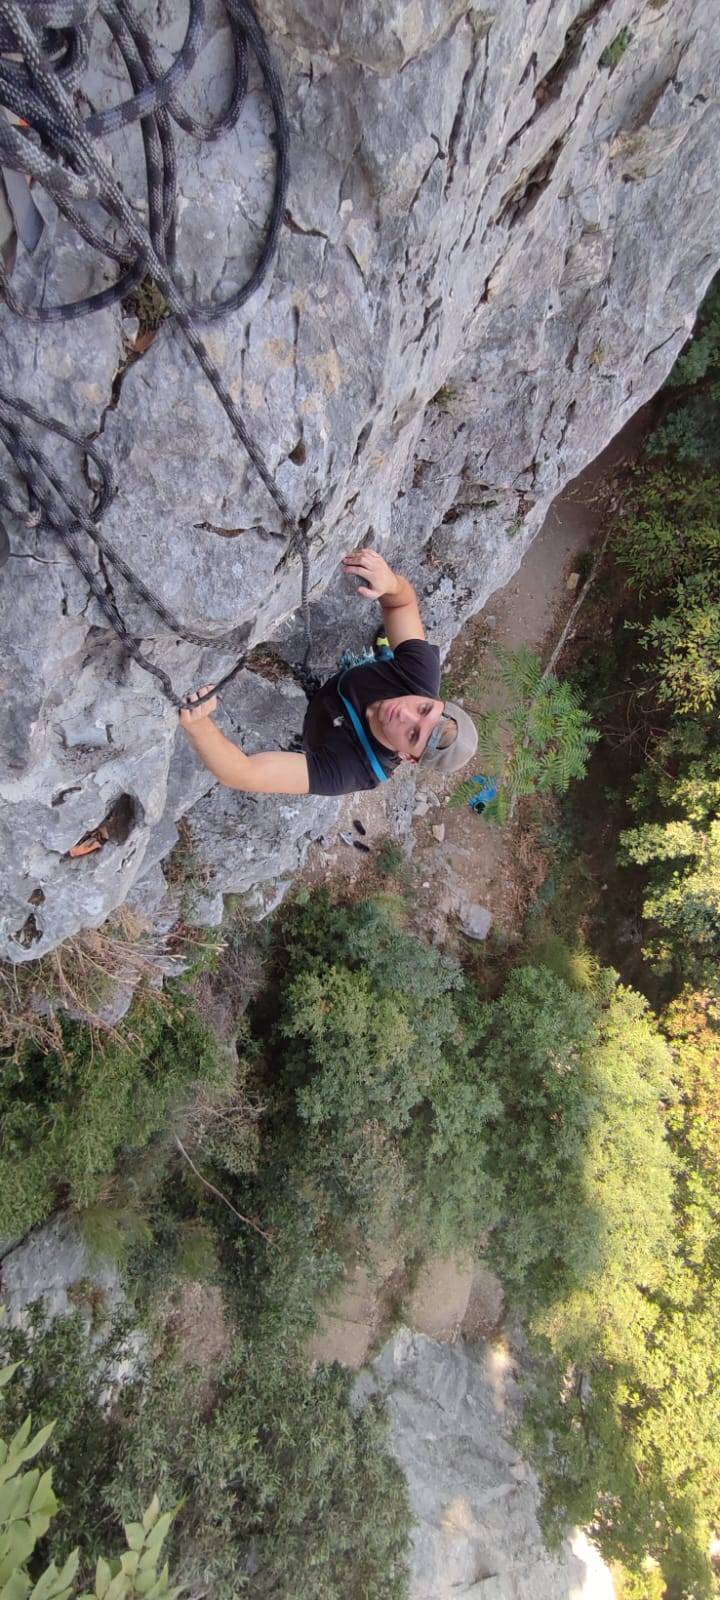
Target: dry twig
<point>220,1195</point>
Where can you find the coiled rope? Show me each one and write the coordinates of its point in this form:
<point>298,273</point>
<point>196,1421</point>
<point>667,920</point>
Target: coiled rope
<point>44,50</point>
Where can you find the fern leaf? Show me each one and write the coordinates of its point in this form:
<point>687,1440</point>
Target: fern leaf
<point>519,671</point>
<point>464,793</point>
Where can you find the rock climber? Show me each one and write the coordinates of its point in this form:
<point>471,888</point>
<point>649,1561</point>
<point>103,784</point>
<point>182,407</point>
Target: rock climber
<point>364,721</point>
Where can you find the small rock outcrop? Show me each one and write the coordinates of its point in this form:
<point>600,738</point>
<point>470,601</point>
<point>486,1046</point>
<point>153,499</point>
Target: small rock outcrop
<point>500,224</point>
<point>475,1500</point>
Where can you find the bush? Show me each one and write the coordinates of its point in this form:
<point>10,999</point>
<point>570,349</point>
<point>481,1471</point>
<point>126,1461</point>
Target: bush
<point>67,1116</point>
<point>538,743</point>
<point>28,1506</point>
<point>648,1584</point>
<point>286,1488</point>
<point>668,532</point>
<point>614,52</point>
<point>684,647</point>
<point>668,542</point>
<point>62,1375</point>
<point>371,1046</point>
<point>691,432</point>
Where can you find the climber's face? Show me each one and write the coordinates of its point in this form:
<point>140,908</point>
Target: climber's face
<point>405,723</point>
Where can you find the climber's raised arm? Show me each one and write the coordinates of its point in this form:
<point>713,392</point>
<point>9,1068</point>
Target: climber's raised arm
<point>268,772</point>
<point>401,613</point>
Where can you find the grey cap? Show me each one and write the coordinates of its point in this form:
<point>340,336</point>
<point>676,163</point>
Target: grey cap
<point>450,757</point>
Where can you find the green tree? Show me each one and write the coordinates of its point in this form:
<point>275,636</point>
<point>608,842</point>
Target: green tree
<point>608,1244</point>
<point>286,1488</point>
<point>67,1117</point>
<point>369,1042</point>
<point>683,899</point>
<point>668,543</point>
<point>579,1150</point>
<point>537,742</point>
<point>27,1508</point>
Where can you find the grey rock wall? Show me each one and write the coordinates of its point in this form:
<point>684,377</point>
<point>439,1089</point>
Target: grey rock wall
<point>496,243</point>
<point>475,1501</point>
<point>53,1266</point>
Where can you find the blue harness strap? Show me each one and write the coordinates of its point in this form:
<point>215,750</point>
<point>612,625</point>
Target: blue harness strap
<point>360,734</point>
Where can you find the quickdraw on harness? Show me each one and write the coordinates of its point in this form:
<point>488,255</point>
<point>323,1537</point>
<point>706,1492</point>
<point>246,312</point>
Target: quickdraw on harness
<point>44,49</point>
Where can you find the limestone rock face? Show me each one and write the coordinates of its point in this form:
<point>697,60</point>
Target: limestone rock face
<point>475,1501</point>
<point>53,1265</point>
<point>498,233</point>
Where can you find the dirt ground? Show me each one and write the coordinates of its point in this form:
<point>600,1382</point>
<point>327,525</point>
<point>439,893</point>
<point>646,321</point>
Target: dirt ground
<point>199,1326</point>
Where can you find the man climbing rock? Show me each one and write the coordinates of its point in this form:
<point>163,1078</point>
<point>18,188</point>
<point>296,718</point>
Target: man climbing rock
<point>365,720</point>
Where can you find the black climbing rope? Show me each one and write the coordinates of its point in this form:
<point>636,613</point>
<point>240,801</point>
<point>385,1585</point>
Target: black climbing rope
<point>44,50</point>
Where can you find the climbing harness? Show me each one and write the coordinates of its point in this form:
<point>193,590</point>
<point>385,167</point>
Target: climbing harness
<point>349,660</point>
<point>360,734</point>
<point>44,49</point>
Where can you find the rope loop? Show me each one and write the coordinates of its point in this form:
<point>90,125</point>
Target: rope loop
<point>44,51</point>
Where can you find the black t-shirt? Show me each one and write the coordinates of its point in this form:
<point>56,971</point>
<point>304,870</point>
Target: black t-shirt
<point>336,762</point>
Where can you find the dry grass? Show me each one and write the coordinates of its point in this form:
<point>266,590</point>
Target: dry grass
<point>79,978</point>
<point>529,854</point>
<point>228,1118</point>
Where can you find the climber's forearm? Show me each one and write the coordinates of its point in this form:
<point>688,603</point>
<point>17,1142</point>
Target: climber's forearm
<point>268,772</point>
<point>401,612</point>
<point>223,758</point>
<point>401,594</point>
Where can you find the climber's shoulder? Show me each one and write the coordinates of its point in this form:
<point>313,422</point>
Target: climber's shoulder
<point>417,663</point>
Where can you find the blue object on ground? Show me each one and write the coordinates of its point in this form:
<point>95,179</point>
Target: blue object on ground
<point>486,793</point>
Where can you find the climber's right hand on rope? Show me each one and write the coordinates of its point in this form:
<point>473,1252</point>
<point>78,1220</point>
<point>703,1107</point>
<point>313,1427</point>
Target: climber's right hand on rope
<point>191,714</point>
